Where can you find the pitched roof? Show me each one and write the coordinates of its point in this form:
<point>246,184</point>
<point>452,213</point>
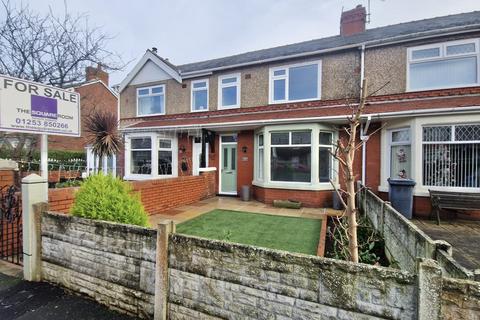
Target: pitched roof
<point>401,31</point>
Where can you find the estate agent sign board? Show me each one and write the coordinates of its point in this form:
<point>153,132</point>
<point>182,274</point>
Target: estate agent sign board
<point>35,108</point>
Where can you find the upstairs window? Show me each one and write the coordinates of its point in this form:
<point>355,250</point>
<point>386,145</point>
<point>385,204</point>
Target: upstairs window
<point>151,100</point>
<point>200,95</point>
<point>444,65</point>
<point>229,91</point>
<point>297,82</point>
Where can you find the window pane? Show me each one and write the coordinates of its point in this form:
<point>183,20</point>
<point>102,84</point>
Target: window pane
<point>303,82</point>
<point>401,136</point>
<point>202,84</point>
<point>141,162</point>
<point>425,53</point>
<point>229,138</point>
<point>143,91</point>
<point>279,89</point>
<point>229,96</point>
<point>279,72</point>
<point>225,158</point>
<point>400,162</point>
<point>301,137</point>
<point>165,143</point>
<point>326,138</point>
<point>157,90</point>
<point>234,158</point>
<point>229,80</point>
<point>461,48</point>
<point>451,165</point>
<point>141,143</point>
<point>469,132</point>
<point>280,138</point>
<point>200,100</point>
<point>260,164</point>
<point>260,140</point>
<point>437,133</point>
<point>325,164</point>
<point>150,105</point>
<point>290,164</point>
<point>444,73</point>
<point>164,162</point>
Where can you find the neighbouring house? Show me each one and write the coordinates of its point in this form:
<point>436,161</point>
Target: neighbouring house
<point>267,118</point>
<point>95,94</point>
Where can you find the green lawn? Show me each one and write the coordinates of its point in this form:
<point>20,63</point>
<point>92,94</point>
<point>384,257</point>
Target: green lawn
<point>275,232</point>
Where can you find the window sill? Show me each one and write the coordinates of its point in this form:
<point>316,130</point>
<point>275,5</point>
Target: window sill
<point>295,185</point>
<point>199,110</point>
<point>208,169</point>
<point>150,115</point>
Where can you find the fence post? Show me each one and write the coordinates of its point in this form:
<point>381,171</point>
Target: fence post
<point>429,299</point>
<point>34,192</point>
<point>164,228</point>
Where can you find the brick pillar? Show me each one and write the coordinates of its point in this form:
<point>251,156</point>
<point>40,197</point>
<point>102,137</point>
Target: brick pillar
<point>429,299</point>
<point>161,269</point>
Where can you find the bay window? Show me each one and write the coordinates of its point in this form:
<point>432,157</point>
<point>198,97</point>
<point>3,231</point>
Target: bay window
<point>199,96</point>
<point>400,154</point>
<point>165,157</point>
<point>141,155</point>
<point>444,65</point>
<point>151,100</point>
<point>229,91</point>
<point>296,82</point>
<point>290,158</point>
<point>451,155</point>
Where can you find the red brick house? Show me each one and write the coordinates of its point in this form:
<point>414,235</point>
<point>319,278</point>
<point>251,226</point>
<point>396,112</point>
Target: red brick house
<point>267,118</point>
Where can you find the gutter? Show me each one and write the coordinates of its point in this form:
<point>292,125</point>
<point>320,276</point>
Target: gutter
<point>363,129</point>
<point>375,116</point>
<point>366,44</point>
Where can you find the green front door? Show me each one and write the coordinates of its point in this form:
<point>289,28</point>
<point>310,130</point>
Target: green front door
<point>229,169</point>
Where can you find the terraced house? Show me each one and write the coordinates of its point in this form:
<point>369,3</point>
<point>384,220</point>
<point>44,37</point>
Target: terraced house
<point>267,118</point>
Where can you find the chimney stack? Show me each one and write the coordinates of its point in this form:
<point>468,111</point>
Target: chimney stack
<point>353,21</point>
<point>97,73</point>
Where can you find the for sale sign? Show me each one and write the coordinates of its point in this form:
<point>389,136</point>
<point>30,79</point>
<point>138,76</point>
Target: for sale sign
<point>35,108</point>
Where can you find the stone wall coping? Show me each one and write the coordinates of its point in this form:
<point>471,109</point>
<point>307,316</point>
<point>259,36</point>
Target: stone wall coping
<point>254,252</point>
<point>100,223</point>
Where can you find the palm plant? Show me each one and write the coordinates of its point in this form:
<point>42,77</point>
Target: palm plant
<point>103,134</point>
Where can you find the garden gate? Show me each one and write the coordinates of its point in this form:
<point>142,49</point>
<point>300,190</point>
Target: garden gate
<point>11,242</point>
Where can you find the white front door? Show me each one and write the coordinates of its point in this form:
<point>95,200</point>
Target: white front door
<point>197,154</point>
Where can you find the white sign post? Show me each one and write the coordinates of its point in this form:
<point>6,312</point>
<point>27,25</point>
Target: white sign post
<point>34,108</point>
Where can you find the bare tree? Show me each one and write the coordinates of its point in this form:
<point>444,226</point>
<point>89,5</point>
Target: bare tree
<point>51,49</point>
<point>344,153</point>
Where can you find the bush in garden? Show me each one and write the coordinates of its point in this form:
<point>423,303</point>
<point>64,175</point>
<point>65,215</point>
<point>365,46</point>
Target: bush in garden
<point>104,197</point>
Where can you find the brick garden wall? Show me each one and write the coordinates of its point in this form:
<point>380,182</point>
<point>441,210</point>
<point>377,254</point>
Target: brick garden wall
<point>112,263</point>
<point>307,198</point>
<point>163,194</point>
<point>61,199</point>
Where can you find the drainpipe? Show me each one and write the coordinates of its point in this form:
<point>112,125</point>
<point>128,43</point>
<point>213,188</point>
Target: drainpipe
<point>363,129</point>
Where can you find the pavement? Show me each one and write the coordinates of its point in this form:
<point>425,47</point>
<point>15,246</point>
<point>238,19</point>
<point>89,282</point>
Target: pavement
<point>25,300</point>
<point>463,235</point>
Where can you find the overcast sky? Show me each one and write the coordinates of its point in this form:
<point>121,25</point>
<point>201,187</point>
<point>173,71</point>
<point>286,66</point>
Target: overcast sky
<point>193,30</point>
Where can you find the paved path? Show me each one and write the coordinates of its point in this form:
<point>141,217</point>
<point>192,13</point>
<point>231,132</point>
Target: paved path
<point>41,301</point>
<point>463,235</point>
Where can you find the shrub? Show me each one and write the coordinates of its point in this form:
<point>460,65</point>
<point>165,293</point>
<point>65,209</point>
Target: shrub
<point>104,197</point>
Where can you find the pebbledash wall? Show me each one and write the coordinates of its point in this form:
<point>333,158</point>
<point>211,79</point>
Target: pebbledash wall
<point>117,265</point>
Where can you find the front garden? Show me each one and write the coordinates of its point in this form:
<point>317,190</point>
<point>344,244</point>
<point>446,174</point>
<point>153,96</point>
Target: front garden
<point>292,234</point>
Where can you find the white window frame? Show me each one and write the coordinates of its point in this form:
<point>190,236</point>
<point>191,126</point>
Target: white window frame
<point>221,86</point>
<point>164,93</point>
<point>259,165</point>
<point>272,78</point>
<point>390,144</point>
<point>155,138</point>
<point>443,56</point>
<point>171,149</point>
<point>192,109</point>
<point>326,146</point>
<point>129,150</point>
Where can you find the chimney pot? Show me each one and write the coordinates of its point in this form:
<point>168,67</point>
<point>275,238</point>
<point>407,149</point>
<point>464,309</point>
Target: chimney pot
<point>96,73</point>
<point>154,49</point>
<point>353,21</point>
